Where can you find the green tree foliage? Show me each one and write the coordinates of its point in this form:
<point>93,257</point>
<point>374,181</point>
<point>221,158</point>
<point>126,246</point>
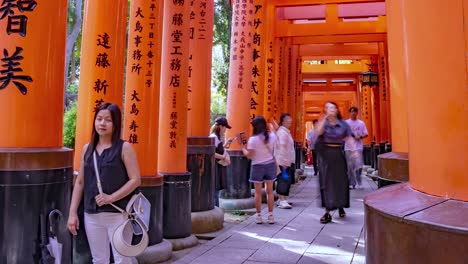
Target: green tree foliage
<point>222,39</point>
<point>69,126</point>
<point>218,106</point>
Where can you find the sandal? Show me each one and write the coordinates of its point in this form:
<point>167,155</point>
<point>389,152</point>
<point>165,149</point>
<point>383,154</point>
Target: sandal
<point>326,218</point>
<point>341,212</point>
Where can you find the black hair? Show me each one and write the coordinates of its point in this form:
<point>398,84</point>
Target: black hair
<point>338,114</point>
<point>259,127</point>
<point>282,117</point>
<point>353,109</point>
<point>116,125</point>
<point>314,121</point>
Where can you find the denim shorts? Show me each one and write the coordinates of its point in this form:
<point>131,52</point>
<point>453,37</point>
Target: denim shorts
<point>263,172</point>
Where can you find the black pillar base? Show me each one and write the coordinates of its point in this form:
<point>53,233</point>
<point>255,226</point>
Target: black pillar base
<point>177,221</point>
<point>404,225</point>
<point>393,168</point>
<point>237,177</point>
<point>201,164</point>
<point>152,188</point>
<point>367,153</point>
<point>33,182</point>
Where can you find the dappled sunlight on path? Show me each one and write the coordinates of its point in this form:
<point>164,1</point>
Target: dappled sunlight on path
<point>296,237</point>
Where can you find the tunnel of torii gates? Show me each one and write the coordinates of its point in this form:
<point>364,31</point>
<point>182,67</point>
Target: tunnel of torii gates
<point>286,56</point>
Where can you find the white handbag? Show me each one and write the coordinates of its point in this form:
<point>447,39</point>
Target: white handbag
<point>227,161</point>
<point>137,213</point>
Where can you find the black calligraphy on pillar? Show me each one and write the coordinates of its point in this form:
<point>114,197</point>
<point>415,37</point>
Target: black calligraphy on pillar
<point>270,67</point>
<point>176,64</point>
<point>173,133</point>
<point>103,40</point>
<point>257,74</point>
<point>242,36</point>
<point>16,22</point>
<point>102,60</point>
<point>10,69</point>
<point>134,111</point>
<point>100,86</point>
<point>383,83</point>
<point>202,21</point>
<point>253,103</point>
<point>98,103</point>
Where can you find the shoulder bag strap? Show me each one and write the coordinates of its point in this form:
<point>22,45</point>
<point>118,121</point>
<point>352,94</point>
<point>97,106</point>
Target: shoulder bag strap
<point>98,180</point>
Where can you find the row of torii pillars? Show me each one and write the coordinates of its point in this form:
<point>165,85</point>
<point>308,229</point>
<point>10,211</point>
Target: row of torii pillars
<point>36,171</point>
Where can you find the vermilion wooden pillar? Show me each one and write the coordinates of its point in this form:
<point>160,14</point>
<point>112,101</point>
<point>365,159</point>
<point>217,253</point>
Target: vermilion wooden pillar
<point>375,104</point>
<point>172,144</point>
<point>237,193</point>
<point>278,50</point>
<point>201,44</point>
<point>293,85</point>
<point>259,43</point>
<point>240,77</point>
<point>269,61</point>
<point>102,64</point>
<point>366,111</point>
<point>384,98</point>
<point>205,216</point>
<point>299,109</point>
<point>35,171</point>
<point>423,216</point>
<point>141,110</point>
<point>286,77</point>
<point>398,87</point>
<point>445,110</point>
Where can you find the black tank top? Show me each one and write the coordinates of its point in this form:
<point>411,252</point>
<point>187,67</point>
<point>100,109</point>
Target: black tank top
<point>113,175</point>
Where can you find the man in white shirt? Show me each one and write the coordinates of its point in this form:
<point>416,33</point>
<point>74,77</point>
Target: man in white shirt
<point>285,156</point>
<point>354,147</point>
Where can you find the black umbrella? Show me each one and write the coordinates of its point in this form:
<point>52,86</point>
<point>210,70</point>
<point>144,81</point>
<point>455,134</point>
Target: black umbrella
<point>46,257</point>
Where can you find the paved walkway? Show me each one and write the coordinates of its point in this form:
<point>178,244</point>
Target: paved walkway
<point>296,237</point>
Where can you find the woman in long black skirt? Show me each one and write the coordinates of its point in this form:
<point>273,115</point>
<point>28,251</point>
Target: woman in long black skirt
<point>333,177</point>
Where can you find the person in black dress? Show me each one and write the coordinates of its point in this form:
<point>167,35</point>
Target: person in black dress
<point>333,178</point>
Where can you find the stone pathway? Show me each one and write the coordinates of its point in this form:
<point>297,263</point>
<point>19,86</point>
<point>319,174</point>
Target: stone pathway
<point>296,237</point>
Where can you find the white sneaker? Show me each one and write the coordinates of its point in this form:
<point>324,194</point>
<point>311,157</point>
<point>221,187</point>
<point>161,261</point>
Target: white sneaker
<point>284,205</point>
<point>271,219</point>
<point>258,220</point>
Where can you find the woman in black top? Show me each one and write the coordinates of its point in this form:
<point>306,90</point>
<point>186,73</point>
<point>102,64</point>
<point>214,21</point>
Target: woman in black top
<point>119,175</point>
<point>217,132</point>
<point>333,178</point>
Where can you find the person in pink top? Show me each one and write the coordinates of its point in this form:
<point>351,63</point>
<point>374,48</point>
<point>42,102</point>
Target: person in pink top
<point>259,150</point>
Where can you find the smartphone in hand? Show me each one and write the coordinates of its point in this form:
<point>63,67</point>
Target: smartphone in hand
<point>242,137</point>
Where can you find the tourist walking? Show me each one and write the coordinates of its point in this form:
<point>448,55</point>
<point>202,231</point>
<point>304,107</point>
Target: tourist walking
<point>354,147</point>
<point>333,179</point>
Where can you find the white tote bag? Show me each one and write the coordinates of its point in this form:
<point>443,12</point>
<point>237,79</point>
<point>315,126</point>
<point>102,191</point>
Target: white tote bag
<point>138,215</point>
